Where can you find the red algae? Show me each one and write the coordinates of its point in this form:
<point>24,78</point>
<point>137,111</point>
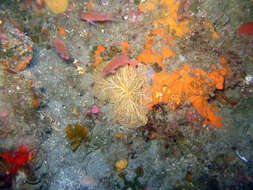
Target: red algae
<point>95,16</point>
<point>116,62</point>
<point>246,28</point>
<point>61,48</point>
<point>17,159</point>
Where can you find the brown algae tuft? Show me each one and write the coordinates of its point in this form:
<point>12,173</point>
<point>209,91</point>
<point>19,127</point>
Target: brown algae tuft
<point>76,134</point>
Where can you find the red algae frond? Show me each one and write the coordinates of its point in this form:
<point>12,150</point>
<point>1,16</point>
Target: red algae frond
<point>18,158</point>
<point>61,48</point>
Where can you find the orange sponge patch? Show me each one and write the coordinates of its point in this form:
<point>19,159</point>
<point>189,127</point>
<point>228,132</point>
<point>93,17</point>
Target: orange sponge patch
<point>189,85</point>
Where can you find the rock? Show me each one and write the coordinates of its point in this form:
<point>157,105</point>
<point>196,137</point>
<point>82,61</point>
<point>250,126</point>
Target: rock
<point>88,181</point>
<point>16,48</point>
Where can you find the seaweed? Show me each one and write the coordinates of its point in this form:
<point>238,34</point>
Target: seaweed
<point>76,134</point>
<point>135,183</point>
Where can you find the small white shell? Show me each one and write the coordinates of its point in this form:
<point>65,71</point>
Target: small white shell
<point>88,181</point>
<point>249,79</point>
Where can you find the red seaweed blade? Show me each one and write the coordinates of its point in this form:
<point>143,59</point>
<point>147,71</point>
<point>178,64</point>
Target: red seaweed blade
<point>95,16</point>
<point>246,28</point>
<point>116,62</point>
<point>61,48</point>
<point>18,158</point>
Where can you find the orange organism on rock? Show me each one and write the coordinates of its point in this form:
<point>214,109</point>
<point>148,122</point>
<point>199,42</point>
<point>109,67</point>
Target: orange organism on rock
<point>189,85</point>
<point>21,66</point>
<point>89,6</point>
<point>149,55</point>
<point>121,164</point>
<point>61,30</point>
<point>166,16</point>
<point>223,60</point>
<point>100,49</point>
<point>57,6</point>
<point>124,47</point>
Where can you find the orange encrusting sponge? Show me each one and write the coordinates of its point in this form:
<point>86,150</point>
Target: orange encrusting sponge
<point>149,55</point>
<point>189,85</point>
<point>167,16</point>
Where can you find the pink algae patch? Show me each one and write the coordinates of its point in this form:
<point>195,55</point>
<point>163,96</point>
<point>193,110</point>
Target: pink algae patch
<point>4,113</point>
<point>95,16</point>
<point>94,110</point>
<point>61,48</point>
<point>116,62</point>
